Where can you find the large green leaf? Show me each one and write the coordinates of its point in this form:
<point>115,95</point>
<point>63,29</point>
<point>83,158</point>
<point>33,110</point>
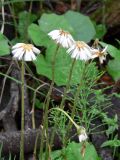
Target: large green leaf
<point>113,51</point>
<point>100,30</point>
<point>73,152</point>
<point>63,61</point>
<point>4,47</point>
<point>114,69</point>
<point>62,66</point>
<point>82,25</point>
<point>113,66</point>
<point>49,22</point>
<point>78,25</point>
<point>25,19</point>
<point>39,37</point>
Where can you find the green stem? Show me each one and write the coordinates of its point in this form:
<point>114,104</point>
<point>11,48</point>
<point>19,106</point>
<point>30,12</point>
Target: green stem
<point>19,82</point>
<point>41,6</point>
<point>45,121</point>
<point>12,11</point>
<point>33,106</point>
<point>78,92</point>
<point>61,110</point>
<point>64,96</point>
<point>22,113</point>
<point>35,146</point>
<point>30,7</point>
<point>4,81</point>
<point>33,111</point>
<point>68,84</point>
<point>76,98</point>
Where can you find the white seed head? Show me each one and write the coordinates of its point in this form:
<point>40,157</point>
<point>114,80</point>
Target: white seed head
<point>82,134</point>
<point>62,37</point>
<point>80,50</point>
<point>101,54</point>
<point>24,51</point>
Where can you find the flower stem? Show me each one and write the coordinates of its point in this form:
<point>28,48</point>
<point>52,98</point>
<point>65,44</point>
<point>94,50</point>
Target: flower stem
<point>68,84</point>
<point>78,92</point>
<point>33,106</point>
<point>22,113</point>
<point>76,100</point>
<point>45,121</point>
<point>64,96</point>
<point>61,110</point>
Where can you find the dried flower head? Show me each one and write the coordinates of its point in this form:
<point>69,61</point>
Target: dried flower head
<point>82,134</point>
<point>101,54</point>
<point>62,37</point>
<point>80,50</point>
<point>24,51</point>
